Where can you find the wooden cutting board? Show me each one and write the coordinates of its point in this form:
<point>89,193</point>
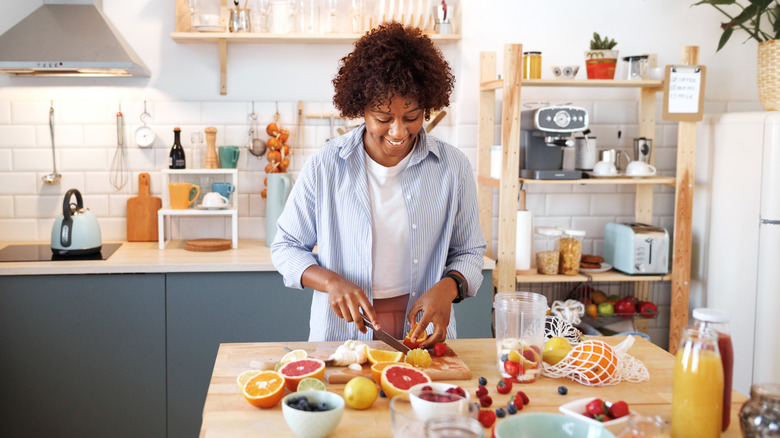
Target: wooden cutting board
<point>142,213</point>
<point>208,245</point>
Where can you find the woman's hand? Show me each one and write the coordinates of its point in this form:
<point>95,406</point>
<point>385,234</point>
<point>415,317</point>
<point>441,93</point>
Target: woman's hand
<point>435,305</point>
<point>345,298</point>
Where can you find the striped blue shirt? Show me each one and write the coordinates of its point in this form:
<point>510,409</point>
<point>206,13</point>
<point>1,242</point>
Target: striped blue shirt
<point>329,207</point>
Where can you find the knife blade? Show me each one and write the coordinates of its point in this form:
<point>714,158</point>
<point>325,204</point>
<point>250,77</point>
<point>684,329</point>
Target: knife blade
<point>385,337</point>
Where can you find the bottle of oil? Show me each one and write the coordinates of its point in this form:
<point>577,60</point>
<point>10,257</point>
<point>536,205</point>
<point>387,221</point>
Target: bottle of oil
<point>176,158</point>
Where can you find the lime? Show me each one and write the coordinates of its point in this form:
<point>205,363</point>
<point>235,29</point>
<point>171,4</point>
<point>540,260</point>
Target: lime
<point>360,393</point>
<point>311,383</point>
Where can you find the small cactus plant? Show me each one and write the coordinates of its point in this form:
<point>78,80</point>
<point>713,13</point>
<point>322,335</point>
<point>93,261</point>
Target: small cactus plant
<point>601,44</point>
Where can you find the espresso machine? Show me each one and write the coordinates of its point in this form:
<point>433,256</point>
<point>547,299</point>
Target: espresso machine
<point>544,132</point>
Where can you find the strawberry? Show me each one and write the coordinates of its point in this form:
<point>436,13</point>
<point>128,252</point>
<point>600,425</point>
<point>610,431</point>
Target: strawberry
<point>481,390</point>
<point>618,409</point>
<point>504,386</point>
<point>487,417</point>
<point>595,407</point>
<point>517,401</point>
<point>439,349</point>
<point>523,397</point>
<point>512,368</point>
<point>485,401</point>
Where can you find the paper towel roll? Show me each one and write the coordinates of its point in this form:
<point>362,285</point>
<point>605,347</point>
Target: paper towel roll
<point>525,238</point>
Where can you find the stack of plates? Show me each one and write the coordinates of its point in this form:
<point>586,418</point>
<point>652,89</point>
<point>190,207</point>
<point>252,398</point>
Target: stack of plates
<point>204,28</point>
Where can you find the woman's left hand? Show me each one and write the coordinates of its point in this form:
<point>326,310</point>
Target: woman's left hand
<point>435,305</point>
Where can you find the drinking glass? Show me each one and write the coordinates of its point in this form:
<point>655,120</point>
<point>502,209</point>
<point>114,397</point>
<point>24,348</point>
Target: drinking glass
<point>332,18</point>
<point>197,139</point>
<point>194,18</point>
<point>357,13</point>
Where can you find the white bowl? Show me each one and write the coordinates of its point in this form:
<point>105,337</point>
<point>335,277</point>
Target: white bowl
<point>565,71</point>
<point>426,409</point>
<point>576,408</point>
<point>306,424</point>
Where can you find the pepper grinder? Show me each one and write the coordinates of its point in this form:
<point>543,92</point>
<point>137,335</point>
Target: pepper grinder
<point>212,162</point>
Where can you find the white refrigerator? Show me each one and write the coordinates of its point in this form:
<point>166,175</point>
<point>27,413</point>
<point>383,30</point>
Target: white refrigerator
<point>736,255</point>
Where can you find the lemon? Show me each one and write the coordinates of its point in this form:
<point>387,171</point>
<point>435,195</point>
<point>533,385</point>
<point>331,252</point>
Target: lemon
<point>294,355</point>
<point>557,343</point>
<point>245,376</point>
<point>360,393</point>
<point>311,383</point>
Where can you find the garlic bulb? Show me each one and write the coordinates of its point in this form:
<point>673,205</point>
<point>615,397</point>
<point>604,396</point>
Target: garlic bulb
<point>348,353</point>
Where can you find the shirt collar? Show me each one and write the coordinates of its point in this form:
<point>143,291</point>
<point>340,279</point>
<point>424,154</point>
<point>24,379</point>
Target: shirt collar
<point>354,142</point>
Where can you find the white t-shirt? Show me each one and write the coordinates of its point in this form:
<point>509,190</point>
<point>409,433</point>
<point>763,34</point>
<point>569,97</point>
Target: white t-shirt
<point>390,225</point>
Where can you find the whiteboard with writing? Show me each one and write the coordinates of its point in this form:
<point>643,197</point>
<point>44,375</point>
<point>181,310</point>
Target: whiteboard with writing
<point>683,92</point>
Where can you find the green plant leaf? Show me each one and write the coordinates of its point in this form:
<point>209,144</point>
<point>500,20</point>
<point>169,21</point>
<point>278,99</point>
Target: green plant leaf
<point>724,38</point>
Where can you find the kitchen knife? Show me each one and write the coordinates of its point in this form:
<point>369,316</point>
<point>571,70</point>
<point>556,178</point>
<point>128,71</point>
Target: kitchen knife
<point>385,337</point>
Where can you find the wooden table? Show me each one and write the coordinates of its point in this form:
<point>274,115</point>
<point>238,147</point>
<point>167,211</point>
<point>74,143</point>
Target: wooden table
<point>227,414</point>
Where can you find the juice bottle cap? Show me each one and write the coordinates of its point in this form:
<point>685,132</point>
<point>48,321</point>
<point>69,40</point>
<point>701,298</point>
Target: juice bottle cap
<point>710,315</point>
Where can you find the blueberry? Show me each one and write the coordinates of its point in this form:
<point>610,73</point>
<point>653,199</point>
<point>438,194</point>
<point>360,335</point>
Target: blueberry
<point>562,390</point>
<point>501,413</point>
<point>322,406</point>
<point>504,357</point>
<point>382,393</point>
<point>511,408</point>
<point>482,381</point>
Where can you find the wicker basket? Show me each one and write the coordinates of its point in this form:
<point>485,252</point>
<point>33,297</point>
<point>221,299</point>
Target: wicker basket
<point>769,75</point>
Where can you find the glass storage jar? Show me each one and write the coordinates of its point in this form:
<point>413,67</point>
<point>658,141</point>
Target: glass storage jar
<point>760,416</point>
<point>546,242</point>
<point>571,251</point>
<point>532,65</point>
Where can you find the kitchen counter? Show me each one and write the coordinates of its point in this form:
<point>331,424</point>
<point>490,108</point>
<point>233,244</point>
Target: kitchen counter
<point>145,257</point>
<point>227,414</point>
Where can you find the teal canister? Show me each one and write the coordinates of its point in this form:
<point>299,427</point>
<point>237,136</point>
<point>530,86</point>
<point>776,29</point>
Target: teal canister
<point>279,187</point>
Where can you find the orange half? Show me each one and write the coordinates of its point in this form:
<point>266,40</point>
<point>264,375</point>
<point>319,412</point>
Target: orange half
<point>375,355</point>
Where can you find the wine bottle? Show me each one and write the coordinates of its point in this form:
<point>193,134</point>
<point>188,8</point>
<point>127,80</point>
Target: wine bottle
<point>176,158</point>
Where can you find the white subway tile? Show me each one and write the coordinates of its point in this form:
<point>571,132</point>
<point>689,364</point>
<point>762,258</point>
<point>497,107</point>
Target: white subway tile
<point>87,111</point>
<point>33,112</point>
<point>19,230</point>
<point>226,112</point>
<point>663,204</point>
<point>85,159</point>
<point>117,203</point>
<point>6,160</point>
<point>611,205</point>
<point>64,136</point>
<point>33,160</point>
<point>615,112</point>
<point>18,183</point>
<point>138,159</point>
<point>17,136</point>
<point>69,180</point>
<point>5,113</point>
<point>7,207</point>
<point>178,112</point>
<point>34,207</point>
<point>249,228</point>
<point>113,229</point>
<point>593,225</point>
<point>103,136</point>
<point>97,204</point>
<point>202,227</point>
<point>98,182</point>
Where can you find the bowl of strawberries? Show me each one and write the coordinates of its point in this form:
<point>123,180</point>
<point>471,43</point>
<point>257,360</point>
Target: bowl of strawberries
<point>611,415</point>
<point>435,399</point>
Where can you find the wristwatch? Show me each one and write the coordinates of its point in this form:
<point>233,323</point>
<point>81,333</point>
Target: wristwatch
<point>461,286</point>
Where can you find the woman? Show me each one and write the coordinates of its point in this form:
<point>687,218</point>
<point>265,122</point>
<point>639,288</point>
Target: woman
<point>393,211</point>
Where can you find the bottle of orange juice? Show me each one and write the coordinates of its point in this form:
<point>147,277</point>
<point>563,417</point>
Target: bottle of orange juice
<point>697,388</point>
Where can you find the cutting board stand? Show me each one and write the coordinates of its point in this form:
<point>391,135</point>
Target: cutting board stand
<point>166,214</point>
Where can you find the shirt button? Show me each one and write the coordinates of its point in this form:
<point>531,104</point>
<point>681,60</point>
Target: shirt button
<point>414,226</point>
<point>415,261</point>
<point>408,196</point>
<point>412,294</point>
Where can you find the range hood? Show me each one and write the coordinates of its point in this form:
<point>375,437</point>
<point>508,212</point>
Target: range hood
<point>68,38</point>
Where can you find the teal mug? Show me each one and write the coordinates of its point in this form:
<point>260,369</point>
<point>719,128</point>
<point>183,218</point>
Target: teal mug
<point>228,157</point>
<point>279,187</point>
<point>223,188</point>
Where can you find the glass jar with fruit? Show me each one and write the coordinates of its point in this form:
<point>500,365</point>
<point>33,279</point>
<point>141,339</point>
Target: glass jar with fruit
<point>718,321</point>
<point>546,242</point>
<point>520,319</point>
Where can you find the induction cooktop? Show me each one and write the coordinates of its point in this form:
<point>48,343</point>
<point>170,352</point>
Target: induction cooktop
<point>43,253</point>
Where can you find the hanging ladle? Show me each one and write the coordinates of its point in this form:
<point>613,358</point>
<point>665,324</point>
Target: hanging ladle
<point>54,177</point>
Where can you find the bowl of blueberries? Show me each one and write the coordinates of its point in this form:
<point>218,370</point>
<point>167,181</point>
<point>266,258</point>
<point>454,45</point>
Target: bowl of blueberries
<point>312,413</point>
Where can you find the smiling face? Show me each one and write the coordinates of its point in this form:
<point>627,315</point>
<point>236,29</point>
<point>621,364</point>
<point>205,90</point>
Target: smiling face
<point>391,129</point>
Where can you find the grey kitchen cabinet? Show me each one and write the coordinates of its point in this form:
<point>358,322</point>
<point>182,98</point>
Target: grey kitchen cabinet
<point>82,356</point>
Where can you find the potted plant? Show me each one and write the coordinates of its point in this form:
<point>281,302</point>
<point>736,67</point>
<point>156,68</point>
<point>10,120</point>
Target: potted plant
<point>601,60</point>
<point>759,19</point>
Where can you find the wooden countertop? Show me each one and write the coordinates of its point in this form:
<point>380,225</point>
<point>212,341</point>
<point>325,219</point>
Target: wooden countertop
<point>227,414</point>
<point>146,257</point>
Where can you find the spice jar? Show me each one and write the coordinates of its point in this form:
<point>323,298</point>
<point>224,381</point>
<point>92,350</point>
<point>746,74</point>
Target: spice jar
<point>532,65</point>
<point>760,416</point>
<point>570,251</point>
<point>546,242</point>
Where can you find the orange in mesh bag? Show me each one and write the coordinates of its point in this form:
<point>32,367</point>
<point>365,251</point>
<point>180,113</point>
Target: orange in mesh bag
<point>595,361</point>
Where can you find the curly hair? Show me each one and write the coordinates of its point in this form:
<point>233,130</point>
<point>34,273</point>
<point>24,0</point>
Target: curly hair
<point>392,60</point>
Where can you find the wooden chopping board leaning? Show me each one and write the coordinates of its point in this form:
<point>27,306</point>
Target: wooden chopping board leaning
<point>142,213</point>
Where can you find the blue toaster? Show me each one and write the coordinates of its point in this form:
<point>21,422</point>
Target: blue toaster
<point>636,249</point>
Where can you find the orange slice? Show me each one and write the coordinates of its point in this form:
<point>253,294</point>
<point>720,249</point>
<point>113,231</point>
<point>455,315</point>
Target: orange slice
<point>376,369</point>
<point>419,358</point>
<point>265,389</point>
<point>376,356</point>
<point>408,339</point>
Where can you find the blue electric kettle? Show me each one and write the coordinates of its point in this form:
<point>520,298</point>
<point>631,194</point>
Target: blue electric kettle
<point>76,231</point>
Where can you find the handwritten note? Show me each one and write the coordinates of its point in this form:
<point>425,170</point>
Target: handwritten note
<point>684,89</point>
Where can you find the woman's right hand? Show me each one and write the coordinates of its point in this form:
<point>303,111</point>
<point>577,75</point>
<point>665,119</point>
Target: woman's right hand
<point>345,298</point>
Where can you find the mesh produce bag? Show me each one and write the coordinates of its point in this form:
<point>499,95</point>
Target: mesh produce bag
<point>593,362</point>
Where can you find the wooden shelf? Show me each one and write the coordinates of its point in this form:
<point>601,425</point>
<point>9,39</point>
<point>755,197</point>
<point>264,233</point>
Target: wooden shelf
<point>579,83</point>
<point>601,276</point>
<point>287,38</point>
<point>622,180</point>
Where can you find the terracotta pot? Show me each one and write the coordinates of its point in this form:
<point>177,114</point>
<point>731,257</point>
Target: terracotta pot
<point>768,75</point>
<point>601,64</point>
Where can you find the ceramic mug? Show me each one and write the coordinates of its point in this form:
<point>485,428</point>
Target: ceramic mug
<point>228,156</point>
<point>605,168</point>
<point>181,194</point>
<point>223,188</point>
<point>279,186</point>
<point>640,168</point>
<point>214,199</point>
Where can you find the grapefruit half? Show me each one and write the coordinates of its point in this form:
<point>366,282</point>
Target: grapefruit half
<point>397,379</point>
<point>293,372</point>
